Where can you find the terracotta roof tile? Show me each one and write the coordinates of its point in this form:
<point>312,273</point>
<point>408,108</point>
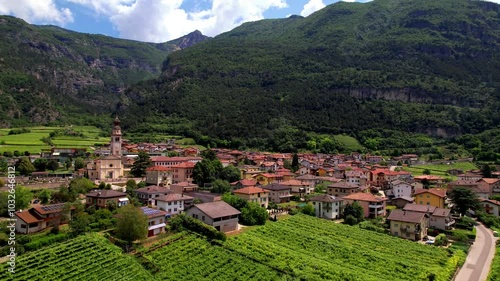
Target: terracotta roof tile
<point>250,190</point>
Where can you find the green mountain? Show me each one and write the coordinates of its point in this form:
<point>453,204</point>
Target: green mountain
<point>49,74</point>
<point>372,70</point>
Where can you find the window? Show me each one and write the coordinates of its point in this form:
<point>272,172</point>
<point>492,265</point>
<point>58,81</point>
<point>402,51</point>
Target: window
<point>175,209</point>
<point>23,226</point>
<point>203,218</point>
<point>169,210</point>
<point>170,203</point>
<point>396,225</point>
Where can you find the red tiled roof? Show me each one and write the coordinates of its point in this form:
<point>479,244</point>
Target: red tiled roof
<point>326,198</point>
<point>293,183</point>
<point>27,217</point>
<point>247,182</point>
<point>159,168</point>
<point>361,196</point>
<point>495,202</point>
<point>428,177</point>
<point>406,216</point>
<point>250,190</point>
<point>436,191</point>
<point>153,189</point>
<point>421,208</point>
<point>184,165</point>
<point>173,197</point>
<point>490,180</point>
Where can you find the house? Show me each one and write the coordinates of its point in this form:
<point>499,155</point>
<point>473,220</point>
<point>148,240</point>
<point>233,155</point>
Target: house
<point>342,189</point>
<point>244,183</point>
<point>40,217</point>
<point>253,194</point>
<point>171,161</point>
<point>455,172</point>
<point>249,171</point>
<point>156,220</point>
<point>356,177</point>
<point>267,178</point>
<point>469,176</point>
<point>205,196</point>
<point>437,218</point>
<point>279,193</point>
<point>401,188</point>
<point>182,172</point>
<point>402,201</point>
<point>409,225</point>
<point>218,214</point>
<point>101,198</point>
<point>491,207</point>
<point>373,206</point>
<point>435,197</point>
<point>327,206</point>
<point>182,187</point>
<point>299,187</point>
<point>159,175</point>
<point>491,185</point>
<point>147,194</point>
<point>173,203</point>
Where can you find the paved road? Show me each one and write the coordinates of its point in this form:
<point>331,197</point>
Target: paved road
<point>478,262</point>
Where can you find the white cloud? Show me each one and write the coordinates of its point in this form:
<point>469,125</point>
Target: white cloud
<point>39,11</point>
<point>162,20</point>
<point>311,7</point>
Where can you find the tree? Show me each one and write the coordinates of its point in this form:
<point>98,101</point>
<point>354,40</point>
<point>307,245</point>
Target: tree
<point>230,174</point>
<point>354,210</point>
<point>130,188</point>
<point>79,163</point>
<point>486,171</point>
<point>44,196</point>
<point>209,155</point>
<point>102,185</point>
<point>40,164</point>
<point>464,199</point>
<point>3,165</point>
<point>295,162</point>
<point>206,171</point>
<point>320,188</point>
<point>64,194</point>
<point>426,172</point>
<point>221,186</point>
<point>81,185</point>
<point>234,201</point>
<point>53,165</point>
<point>67,163</point>
<point>132,224</point>
<point>350,220</point>
<point>141,163</point>
<point>308,209</point>
<point>253,214</point>
<point>80,223</point>
<point>426,183</point>
<point>24,166</point>
<point>441,240</point>
<point>23,199</point>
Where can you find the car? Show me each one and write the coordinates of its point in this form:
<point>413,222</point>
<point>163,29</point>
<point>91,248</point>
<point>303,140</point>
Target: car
<point>429,242</point>
<point>36,201</point>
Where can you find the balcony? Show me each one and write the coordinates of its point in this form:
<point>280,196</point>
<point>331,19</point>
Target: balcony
<point>449,222</point>
<point>375,206</point>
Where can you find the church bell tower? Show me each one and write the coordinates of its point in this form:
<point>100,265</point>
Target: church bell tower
<point>116,138</point>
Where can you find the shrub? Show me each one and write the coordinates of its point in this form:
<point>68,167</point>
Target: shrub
<point>351,220</point>
<point>182,221</point>
<point>441,240</point>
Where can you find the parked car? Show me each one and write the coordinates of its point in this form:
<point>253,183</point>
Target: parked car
<point>429,242</point>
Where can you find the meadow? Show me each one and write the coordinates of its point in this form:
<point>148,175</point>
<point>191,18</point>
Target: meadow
<point>32,141</point>
<point>350,143</point>
<point>441,169</point>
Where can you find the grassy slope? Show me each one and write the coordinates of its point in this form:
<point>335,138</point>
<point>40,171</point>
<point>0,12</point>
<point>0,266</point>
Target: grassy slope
<point>440,169</point>
<point>495,267</point>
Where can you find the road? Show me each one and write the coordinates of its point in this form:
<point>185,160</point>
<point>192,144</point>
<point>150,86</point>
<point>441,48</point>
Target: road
<point>478,262</point>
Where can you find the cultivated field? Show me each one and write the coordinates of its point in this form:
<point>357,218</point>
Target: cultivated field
<point>440,169</point>
<point>32,140</point>
<point>88,257</point>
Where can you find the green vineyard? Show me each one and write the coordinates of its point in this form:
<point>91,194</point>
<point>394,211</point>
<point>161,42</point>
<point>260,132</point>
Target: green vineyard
<point>296,248</point>
<point>88,257</point>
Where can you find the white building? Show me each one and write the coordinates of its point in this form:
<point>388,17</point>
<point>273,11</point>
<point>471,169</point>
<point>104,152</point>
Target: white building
<point>401,188</point>
<point>327,206</point>
<point>173,203</point>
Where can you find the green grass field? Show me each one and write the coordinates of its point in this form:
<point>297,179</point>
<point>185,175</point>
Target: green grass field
<point>32,141</point>
<point>440,169</point>
<point>349,142</point>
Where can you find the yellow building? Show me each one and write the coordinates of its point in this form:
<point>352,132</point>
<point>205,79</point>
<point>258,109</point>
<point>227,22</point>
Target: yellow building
<point>433,197</point>
<point>249,171</point>
<point>267,178</point>
<point>407,224</point>
<point>253,194</point>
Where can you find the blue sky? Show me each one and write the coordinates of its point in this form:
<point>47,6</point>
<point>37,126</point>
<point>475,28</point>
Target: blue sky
<point>156,20</point>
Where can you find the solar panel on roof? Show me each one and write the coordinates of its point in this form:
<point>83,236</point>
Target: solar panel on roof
<point>149,211</point>
<point>51,207</point>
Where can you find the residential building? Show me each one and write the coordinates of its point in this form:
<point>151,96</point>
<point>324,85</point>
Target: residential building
<point>182,172</point>
<point>156,220</point>
<point>279,193</point>
<point>218,214</point>
<point>469,176</point>
<point>205,196</point>
<point>437,218</point>
<point>435,197</point>
<point>267,178</point>
<point>401,188</point>
<point>327,206</point>
<point>342,189</point>
<point>183,187</point>
<point>173,203</point>
<point>159,175</point>
<point>102,198</point>
<point>147,194</point>
<point>409,225</point>
<point>490,185</point>
<point>491,207</point>
<point>172,161</point>
<point>249,171</point>
<point>299,187</point>
<point>373,206</point>
<point>40,217</point>
<point>402,201</point>
<point>356,177</point>
<point>253,194</point>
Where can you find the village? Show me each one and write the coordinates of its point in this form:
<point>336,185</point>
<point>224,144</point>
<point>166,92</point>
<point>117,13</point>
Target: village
<point>408,206</point>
